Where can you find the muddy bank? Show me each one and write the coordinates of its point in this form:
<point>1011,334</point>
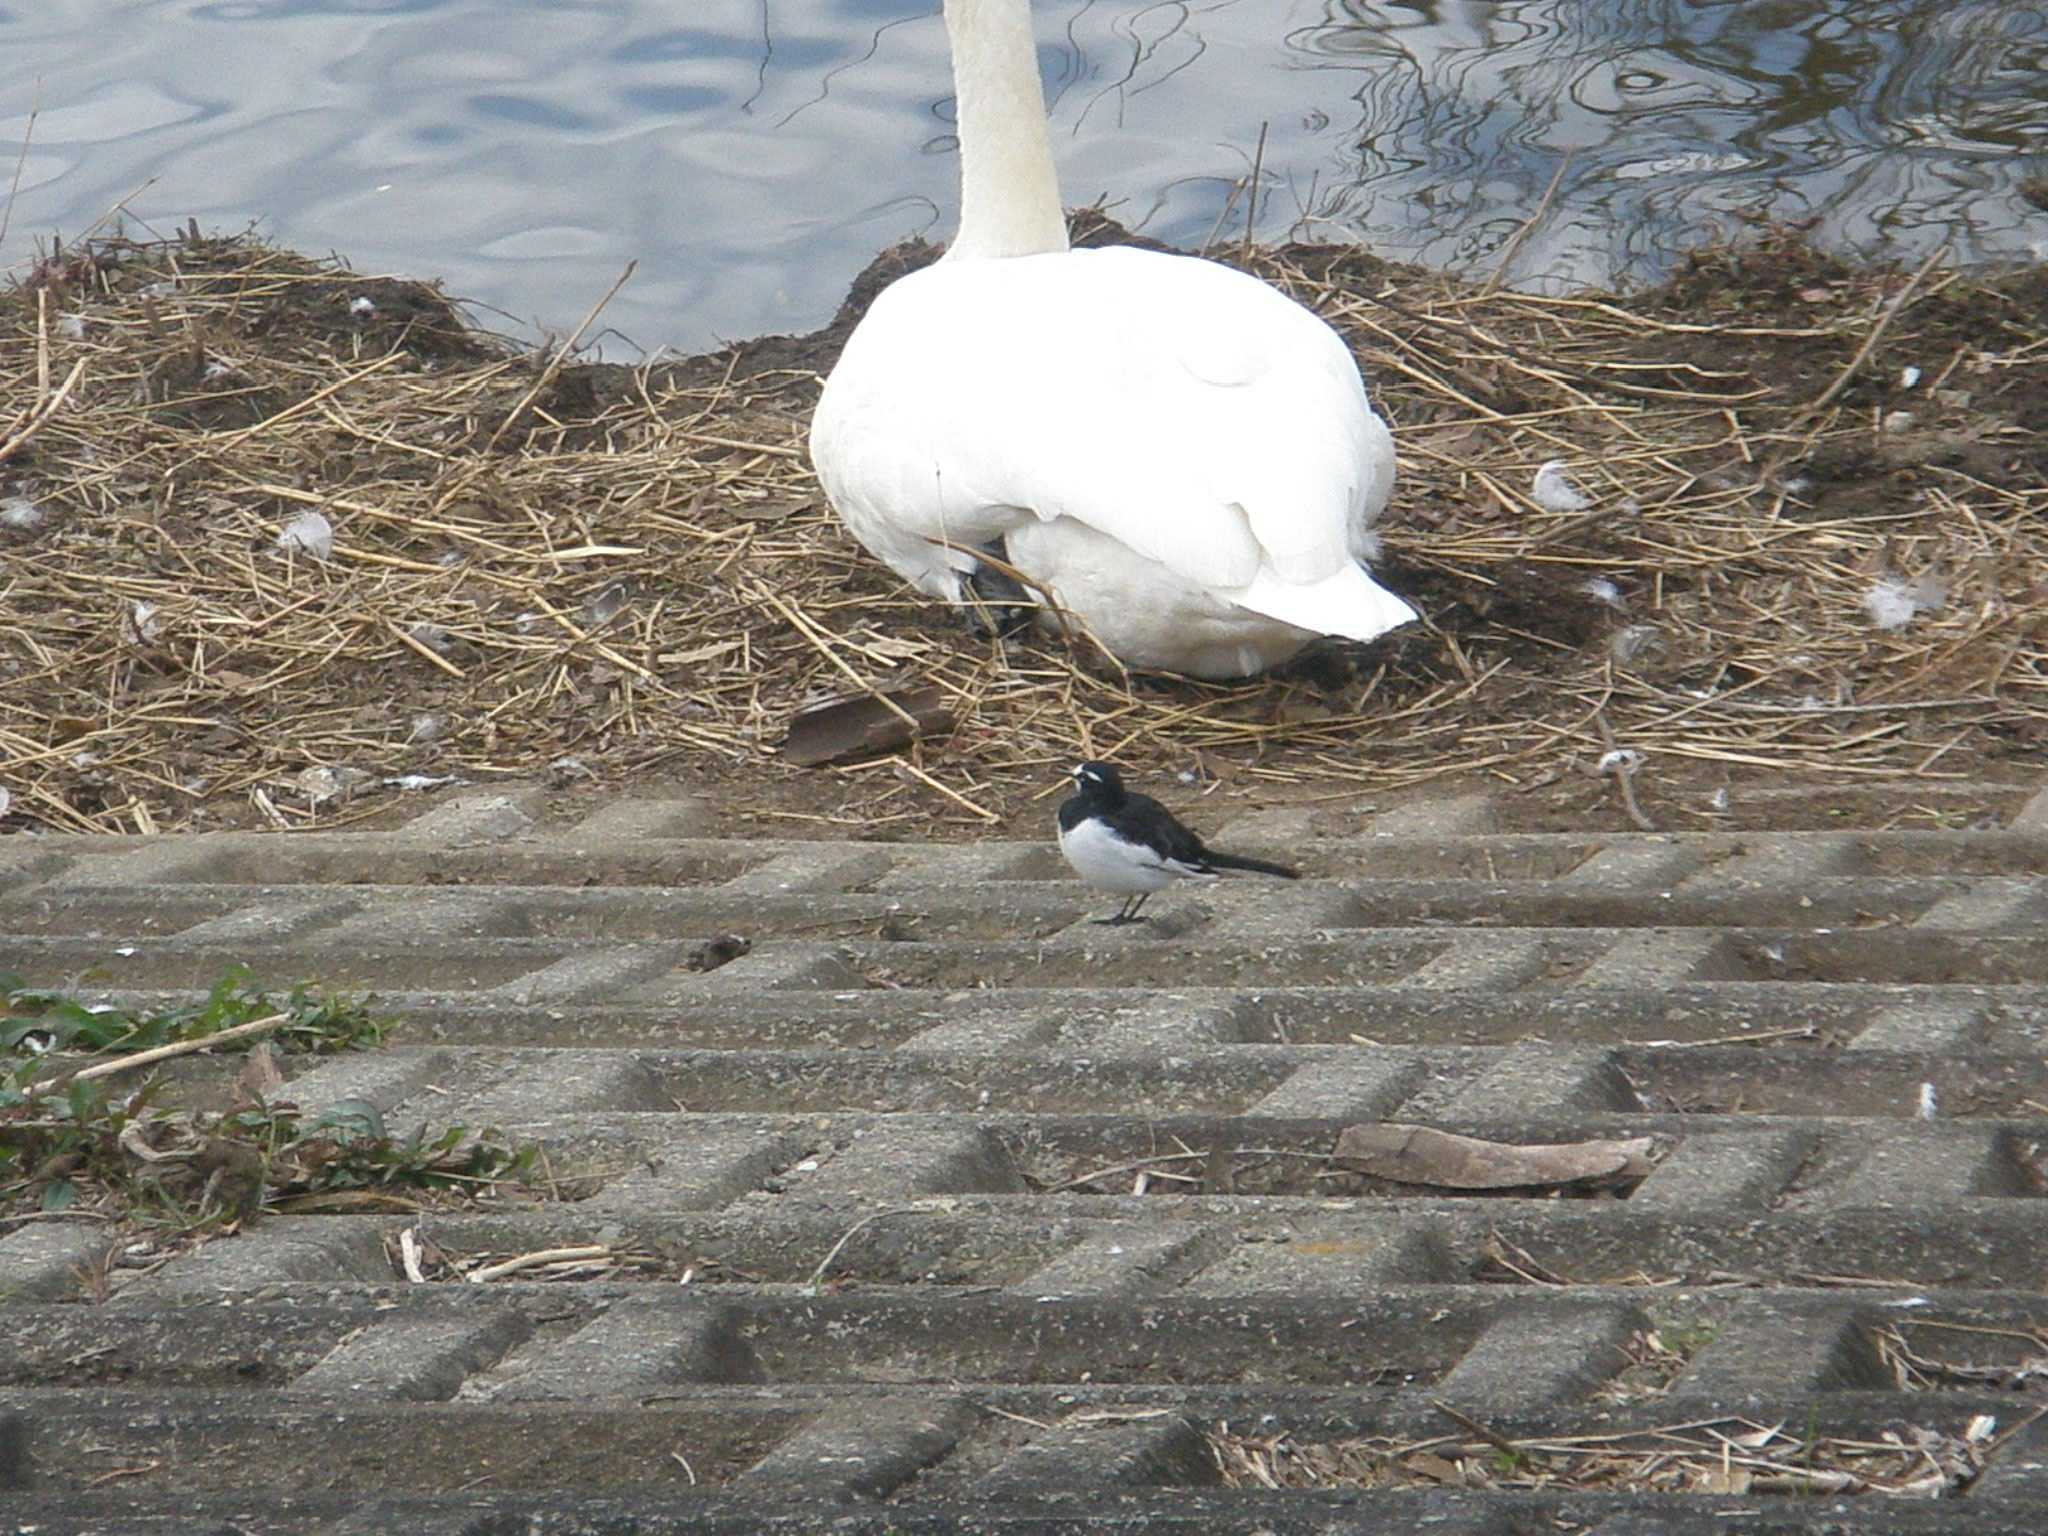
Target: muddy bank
<point>282,544</point>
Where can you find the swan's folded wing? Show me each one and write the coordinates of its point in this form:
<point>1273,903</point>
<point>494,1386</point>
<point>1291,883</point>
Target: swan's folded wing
<point>1188,411</point>
<point>1225,427</point>
<point>1272,401</point>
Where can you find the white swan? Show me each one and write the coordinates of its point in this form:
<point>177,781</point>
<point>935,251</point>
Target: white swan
<point>1182,455</point>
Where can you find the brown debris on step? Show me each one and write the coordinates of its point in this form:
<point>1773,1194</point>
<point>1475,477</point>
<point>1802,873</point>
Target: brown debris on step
<point>1418,1154</point>
<point>866,725</point>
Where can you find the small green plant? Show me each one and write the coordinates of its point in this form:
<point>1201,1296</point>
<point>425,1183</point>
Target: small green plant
<point>62,1140</point>
<point>54,1021</point>
<point>347,1148</point>
<point>1687,1338</point>
<point>47,1146</point>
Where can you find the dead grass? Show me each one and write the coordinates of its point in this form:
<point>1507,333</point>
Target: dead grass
<point>1720,1456</point>
<point>540,566</point>
<point>1935,1356</point>
<point>417,1257</point>
<point>1650,1363</point>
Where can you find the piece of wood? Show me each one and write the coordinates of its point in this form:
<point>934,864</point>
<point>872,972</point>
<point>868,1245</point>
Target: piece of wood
<point>1417,1154</point>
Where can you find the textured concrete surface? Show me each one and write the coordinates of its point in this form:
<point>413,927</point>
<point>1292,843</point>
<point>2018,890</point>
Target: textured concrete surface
<point>941,1208</point>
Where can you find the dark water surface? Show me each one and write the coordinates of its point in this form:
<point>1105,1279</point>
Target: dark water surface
<point>753,154</point>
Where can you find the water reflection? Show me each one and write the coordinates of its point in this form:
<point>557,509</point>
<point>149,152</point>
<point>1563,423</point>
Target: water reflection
<point>1892,127</point>
<point>754,155</point>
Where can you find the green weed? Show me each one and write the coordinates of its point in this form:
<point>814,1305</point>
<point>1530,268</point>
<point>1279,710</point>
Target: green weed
<point>54,1021</point>
<point>109,1144</point>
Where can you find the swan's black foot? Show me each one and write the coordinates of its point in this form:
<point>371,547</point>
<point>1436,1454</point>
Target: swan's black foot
<point>1327,666</point>
<point>997,605</point>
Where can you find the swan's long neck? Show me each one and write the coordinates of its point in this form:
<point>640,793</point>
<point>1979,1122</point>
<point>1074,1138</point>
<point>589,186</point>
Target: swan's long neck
<point>1009,191</point>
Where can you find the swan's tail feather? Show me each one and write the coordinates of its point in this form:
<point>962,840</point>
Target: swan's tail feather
<point>1349,603</point>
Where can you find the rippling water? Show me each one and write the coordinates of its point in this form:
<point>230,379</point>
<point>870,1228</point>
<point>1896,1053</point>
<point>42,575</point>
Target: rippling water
<point>753,154</point>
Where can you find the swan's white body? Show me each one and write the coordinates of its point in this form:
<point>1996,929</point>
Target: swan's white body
<point>1180,454</point>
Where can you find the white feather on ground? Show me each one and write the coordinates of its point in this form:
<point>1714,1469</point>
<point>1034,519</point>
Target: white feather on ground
<point>1893,604</point>
<point>1554,491</point>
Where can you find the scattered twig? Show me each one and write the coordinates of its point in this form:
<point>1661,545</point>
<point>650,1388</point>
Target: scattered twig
<point>1251,201</point>
<point>1754,1037</point>
<point>1994,1446</point>
<point>905,765</point>
<point>1527,226</point>
<point>1143,1164</point>
<point>137,1059</point>
<point>1875,334</point>
<point>536,1260</point>
<point>1465,1421</point>
<point>846,1237</point>
<point>1520,1263</point>
<point>28,133</point>
<point>39,416</point>
<point>562,355</point>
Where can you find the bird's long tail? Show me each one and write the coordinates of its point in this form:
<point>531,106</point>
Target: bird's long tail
<point>1256,866</point>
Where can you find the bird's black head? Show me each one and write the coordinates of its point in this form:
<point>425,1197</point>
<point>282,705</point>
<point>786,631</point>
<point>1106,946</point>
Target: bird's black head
<point>1098,781</point>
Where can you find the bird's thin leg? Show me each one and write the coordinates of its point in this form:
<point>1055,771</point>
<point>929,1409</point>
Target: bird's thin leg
<point>1127,913</point>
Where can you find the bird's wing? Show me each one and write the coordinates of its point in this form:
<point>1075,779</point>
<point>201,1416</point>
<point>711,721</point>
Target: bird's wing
<point>1186,410</point>
<point>1141,819</point>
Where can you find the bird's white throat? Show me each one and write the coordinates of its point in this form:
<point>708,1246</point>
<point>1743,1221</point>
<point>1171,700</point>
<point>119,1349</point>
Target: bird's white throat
<point>1009,190</point>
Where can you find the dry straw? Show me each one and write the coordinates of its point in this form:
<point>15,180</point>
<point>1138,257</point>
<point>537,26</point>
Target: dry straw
<point>1723,1456</point>
<point>278,538</point>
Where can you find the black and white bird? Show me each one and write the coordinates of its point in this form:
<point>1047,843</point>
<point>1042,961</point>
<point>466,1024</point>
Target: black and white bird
<point>1130,844</point>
